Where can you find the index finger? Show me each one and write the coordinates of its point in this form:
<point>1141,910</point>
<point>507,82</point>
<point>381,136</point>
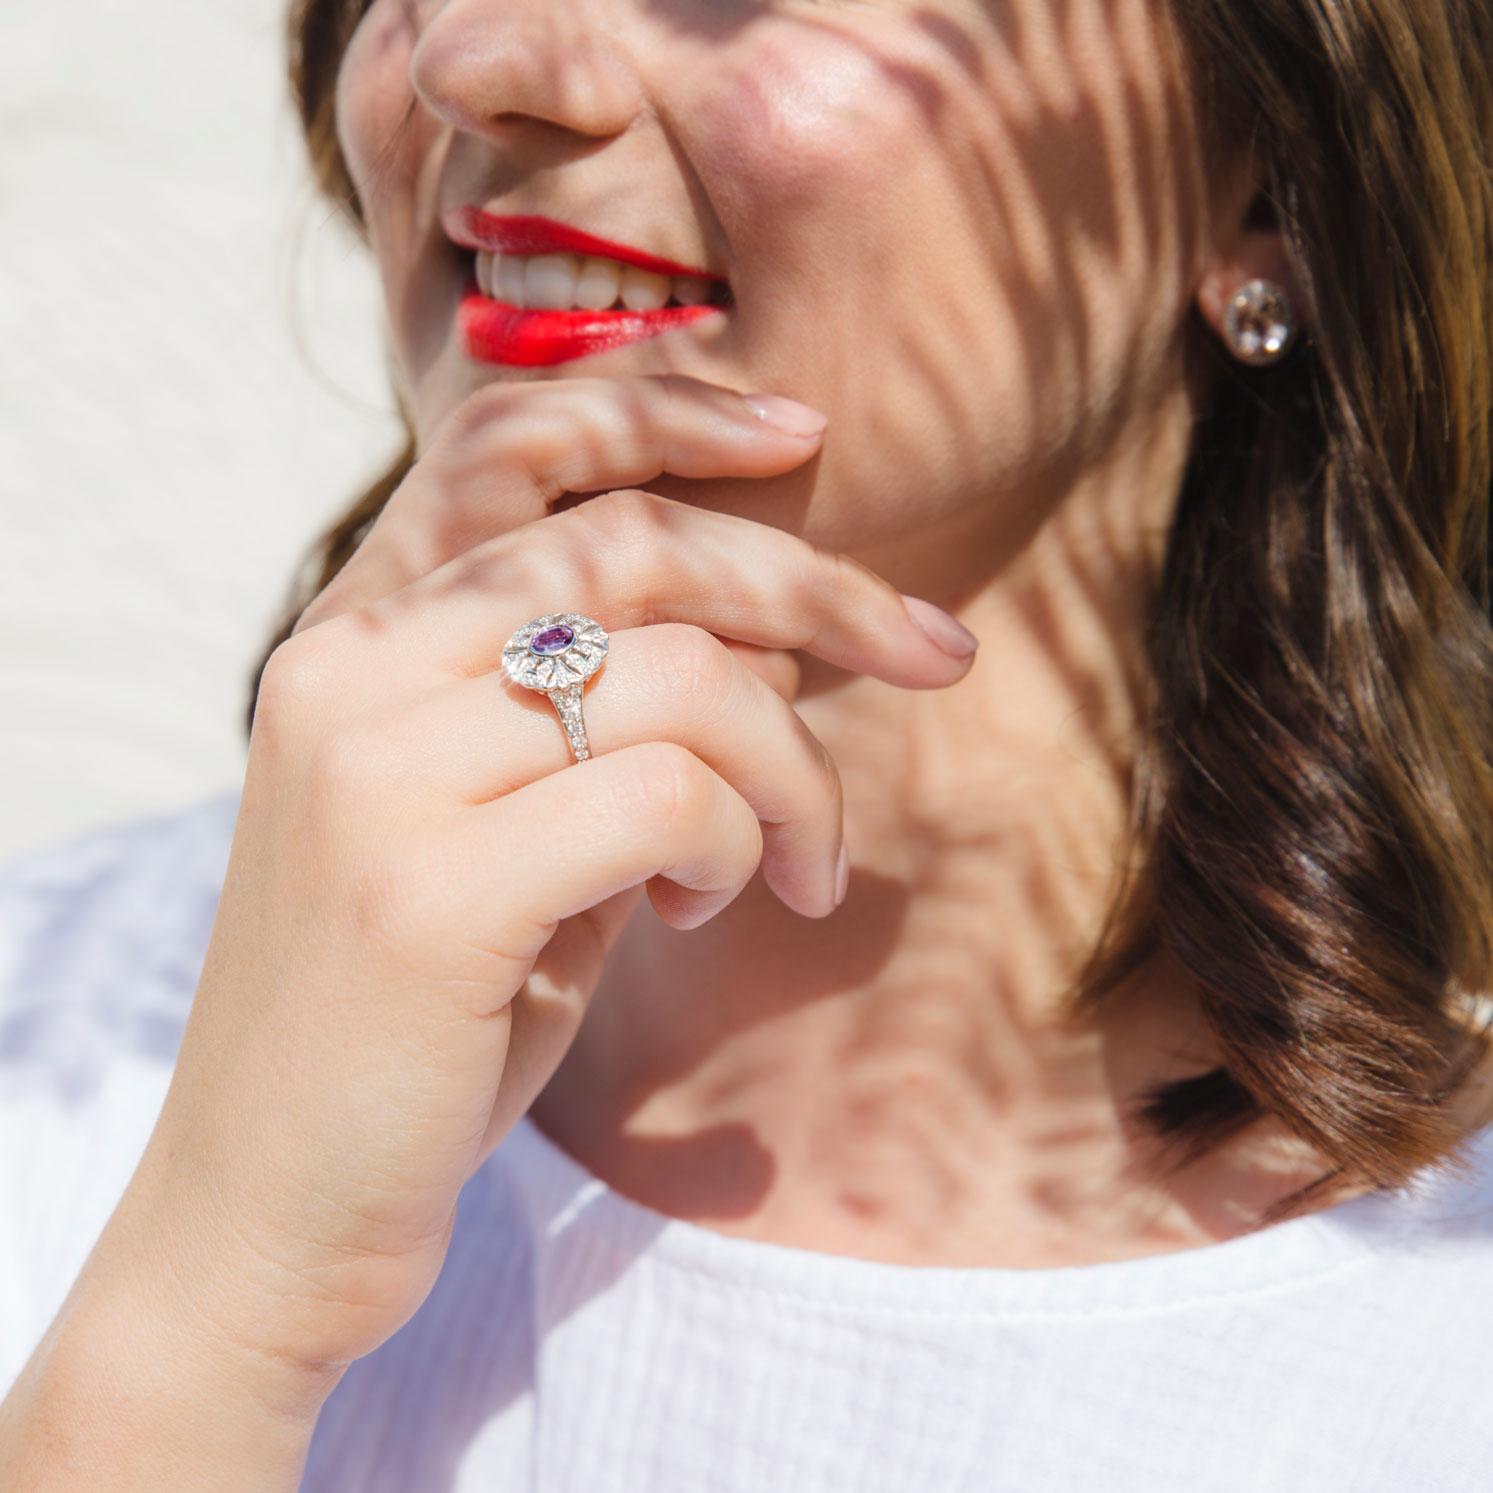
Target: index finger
<point>508,452</point>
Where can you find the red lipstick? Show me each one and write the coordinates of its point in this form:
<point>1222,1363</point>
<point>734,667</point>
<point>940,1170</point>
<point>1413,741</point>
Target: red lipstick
<point>496,332</point>
<point>531,234</point>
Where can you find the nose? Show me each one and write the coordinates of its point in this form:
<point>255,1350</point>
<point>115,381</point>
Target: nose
<point>486,66</point>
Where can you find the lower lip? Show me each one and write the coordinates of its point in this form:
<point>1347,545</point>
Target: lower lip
<point>495,332</point>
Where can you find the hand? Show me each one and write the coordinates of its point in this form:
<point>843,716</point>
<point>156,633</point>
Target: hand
<point>422,885</point>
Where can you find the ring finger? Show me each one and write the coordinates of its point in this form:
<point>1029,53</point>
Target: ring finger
<point>485,736</point>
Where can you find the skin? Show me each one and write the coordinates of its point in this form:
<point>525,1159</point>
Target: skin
<point>974,239</point>
<point>997,338</point>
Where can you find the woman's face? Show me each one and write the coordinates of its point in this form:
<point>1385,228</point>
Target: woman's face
<point>966,230</point>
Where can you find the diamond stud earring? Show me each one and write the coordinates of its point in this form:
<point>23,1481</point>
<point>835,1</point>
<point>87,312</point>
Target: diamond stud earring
<point>1259,322</point>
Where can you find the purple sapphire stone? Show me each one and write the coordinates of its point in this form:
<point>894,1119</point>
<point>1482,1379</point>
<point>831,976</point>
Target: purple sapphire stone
<point>552,640</point>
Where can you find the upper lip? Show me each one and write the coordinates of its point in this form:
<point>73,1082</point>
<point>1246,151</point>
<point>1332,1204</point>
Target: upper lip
<point>529,233</point>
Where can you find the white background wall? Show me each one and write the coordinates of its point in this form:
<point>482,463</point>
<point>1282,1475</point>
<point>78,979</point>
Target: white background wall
<point>166,449</point>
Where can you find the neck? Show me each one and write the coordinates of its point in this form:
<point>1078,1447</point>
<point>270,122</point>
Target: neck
<point>897,1080</point>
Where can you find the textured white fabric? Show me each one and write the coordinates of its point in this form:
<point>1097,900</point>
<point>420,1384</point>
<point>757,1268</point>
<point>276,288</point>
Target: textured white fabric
<point>576,1340</point>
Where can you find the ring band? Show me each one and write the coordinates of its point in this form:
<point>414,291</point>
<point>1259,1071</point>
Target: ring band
<point>556,654</point>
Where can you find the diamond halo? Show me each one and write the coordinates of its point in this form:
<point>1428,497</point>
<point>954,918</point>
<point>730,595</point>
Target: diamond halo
<point>556,654</point>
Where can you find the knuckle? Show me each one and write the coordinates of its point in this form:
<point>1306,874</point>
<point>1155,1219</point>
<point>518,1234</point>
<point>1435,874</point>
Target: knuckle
<point>830,575</point>
<point>673,395</point>
<point>823,772</point>
<point>475,415</point>
<point>297,679</point>
<point>297,662</point>
<point>688,661</point>
<point>545,562</point>
<point>829,770</point>
<point>828,578</point>
<point>493,567</point>
<point>670,784</point>
<point>627,516</point>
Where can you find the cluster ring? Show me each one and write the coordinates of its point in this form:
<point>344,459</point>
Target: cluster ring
<point>556,654</point>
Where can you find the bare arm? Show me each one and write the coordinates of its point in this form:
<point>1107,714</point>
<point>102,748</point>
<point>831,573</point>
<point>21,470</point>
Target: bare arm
<point>365,1029</point>
<point>130,1389</point>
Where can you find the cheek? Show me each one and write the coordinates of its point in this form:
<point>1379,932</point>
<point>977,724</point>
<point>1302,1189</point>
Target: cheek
<point>801,111</point>
<point>794,133</point>
<point>1049,138</point>
<point>993,213</point>
<point>373,98</point>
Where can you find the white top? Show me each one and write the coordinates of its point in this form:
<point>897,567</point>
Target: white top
<point>577,1340</point>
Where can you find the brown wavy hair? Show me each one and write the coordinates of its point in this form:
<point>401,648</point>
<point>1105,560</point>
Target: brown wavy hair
<point>1313,810</point>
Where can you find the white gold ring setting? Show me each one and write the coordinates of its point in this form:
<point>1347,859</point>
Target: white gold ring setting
<point>556,654</point>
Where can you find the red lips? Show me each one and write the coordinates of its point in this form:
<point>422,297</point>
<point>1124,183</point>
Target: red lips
<point>532,234</point>
<point>496,332</point>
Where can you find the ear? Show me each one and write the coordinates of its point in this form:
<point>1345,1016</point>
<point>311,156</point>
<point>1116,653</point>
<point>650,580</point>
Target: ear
<point>1247,246</point>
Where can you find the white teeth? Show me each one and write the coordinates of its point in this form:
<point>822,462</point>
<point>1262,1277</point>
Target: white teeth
<point>586,282</point>
<point>549,281</point>
<point>596,288</point>
<point>508,279</point>
<point>642,290</point>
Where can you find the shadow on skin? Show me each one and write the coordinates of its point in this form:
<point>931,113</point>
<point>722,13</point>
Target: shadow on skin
<point>1083,182</point>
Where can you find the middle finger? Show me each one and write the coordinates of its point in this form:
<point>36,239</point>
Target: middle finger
<point>632,557</point>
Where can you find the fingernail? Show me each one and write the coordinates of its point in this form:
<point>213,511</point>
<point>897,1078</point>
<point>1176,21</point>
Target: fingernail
<point>944,631</point>
<point>786,414</point>
<point>842,874</point>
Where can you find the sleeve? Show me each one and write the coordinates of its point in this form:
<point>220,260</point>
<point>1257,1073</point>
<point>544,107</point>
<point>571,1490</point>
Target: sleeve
<point>102,938</point>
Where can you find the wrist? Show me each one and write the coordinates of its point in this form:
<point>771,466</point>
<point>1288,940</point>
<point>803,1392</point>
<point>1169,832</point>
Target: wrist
<point>126,1391</point>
